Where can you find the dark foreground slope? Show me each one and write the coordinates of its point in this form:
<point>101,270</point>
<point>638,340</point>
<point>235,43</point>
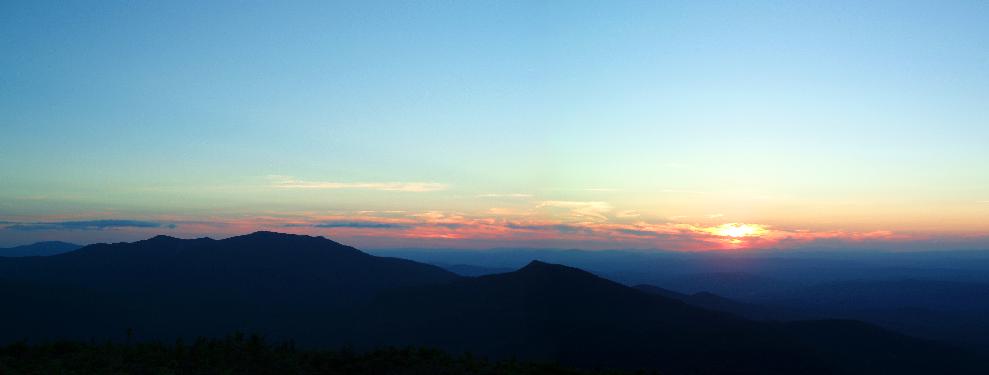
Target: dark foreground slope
<point>552,312</point>
<point>279,284</point>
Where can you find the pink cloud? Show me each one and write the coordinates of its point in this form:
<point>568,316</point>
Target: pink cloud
<point>581,226</point>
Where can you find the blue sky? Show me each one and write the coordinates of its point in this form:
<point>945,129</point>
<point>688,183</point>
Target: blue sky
<point>831,117</point>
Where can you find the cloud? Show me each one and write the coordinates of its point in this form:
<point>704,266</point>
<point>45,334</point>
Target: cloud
<point>679,191</point>
<point>513,195</point>
<point>592,210</point>
<point>562,228</point>
<point>373,224</point>
<point>449,225</point>
<point>88,225</point>
<point>412,187</point>
<point>361,225</point>
<point>32,198</point>
<point>636,232</point>
<point>504,211</point>
<point>715,216</point>
<point>627,214</point>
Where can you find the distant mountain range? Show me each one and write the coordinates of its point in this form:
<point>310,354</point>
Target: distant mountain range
<point>715,302</point>
<point>471,270</point>
<point>731,274</point>
<point>39,249</point>
<point>939,295</point>
<point>322,293</point>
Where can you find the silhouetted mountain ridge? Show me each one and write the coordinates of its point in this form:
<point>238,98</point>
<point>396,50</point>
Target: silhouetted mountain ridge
<point>716,302</point>
<point>559,313</point>
<point>264,281</point>
<point>323,293</point>
<point>45,248</point>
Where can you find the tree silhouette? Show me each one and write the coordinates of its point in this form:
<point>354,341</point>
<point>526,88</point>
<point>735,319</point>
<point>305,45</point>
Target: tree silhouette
<point>243,354</point>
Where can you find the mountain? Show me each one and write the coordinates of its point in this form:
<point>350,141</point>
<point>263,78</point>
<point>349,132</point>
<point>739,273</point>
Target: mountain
<point>715,302</point>
<point>873,294</point>
<point>731,274</point>
<point>258,263</point>
<point>471,270</point>
<point>268,282</point>
<point>39,249</point>
<point>937,295</point>
<point>320,293</point>
<point>946,311</point>
<point>943,310</point>
<point>557,313</point>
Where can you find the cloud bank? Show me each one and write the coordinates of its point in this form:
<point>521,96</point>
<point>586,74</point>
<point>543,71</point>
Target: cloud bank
<point>87,225</point>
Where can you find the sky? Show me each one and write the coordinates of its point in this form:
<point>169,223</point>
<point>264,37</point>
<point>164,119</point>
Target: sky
<point>677,125</point>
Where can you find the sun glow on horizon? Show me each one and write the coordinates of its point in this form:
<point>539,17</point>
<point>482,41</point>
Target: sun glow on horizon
<point>739,230</point>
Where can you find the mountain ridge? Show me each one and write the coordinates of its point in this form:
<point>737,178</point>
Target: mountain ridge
<point>558,313</point>
<point>322,293</point>
<point>43,248</point>
<point>166,285</point>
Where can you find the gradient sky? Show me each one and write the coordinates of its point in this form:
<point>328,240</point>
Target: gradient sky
<point>600,124</point>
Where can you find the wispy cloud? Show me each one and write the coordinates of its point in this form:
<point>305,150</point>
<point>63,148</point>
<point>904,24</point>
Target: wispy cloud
<point>368,221</point>
<point>591,189</point>
<point>636,232</point>
<point>33,198</point>
<point>361,225</point>
<point>511,195</point>
<point>591,209</point>
<point>627,214</point>
<point>505,211</point>
<point>282,182</point>
<point>680,191</point>
<point>601,189</point>
<point>87,225</point>
<point>561,228</point>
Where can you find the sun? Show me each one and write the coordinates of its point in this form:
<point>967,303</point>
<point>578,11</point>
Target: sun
<point>738,230</point>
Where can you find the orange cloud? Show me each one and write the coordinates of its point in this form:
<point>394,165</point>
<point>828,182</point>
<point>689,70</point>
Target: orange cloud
<point>582,224</point>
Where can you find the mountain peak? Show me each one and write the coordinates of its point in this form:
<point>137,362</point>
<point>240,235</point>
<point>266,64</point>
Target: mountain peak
<point>540,267</point>
<point>162,237</point>
<point>267,241</point>
<point>266,233</point>
<point>538,264</point>
<point>269,235</point>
